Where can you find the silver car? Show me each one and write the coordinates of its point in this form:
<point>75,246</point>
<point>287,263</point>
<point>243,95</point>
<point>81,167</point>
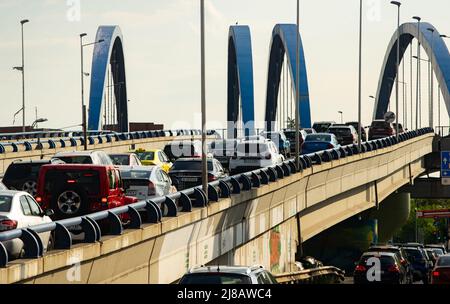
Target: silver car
<point>145,182</point>
<point>20,210</point>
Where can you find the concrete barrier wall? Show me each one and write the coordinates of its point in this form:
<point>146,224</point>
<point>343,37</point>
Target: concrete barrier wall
<point>240,229</point>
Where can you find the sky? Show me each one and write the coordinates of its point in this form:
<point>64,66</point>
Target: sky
<point>162,54</point>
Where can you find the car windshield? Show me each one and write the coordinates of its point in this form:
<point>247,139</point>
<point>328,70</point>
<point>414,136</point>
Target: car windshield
<point>215,278</point>
<point>87,180</point>
<point>136,174</point>
<point>252,148</point>
<point>81,159</point>
<point>149,155</point>
<point>5,203</point>
<point>120,159</point>
<point>318,137</point>
<point>443,261</point>
<point>190,165</point>
<point>339,131</point>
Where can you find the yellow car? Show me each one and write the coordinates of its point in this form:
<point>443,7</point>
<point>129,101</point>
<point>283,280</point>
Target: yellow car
<point>154,157</point>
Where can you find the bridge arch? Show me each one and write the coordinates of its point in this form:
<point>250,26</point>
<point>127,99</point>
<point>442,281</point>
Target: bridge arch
<point>439,53</point>
<point>240,80</point>
<point>284,42</point>
<point>110,51</point>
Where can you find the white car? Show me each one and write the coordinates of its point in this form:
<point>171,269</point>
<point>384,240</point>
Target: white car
<point>84,157</point>
<point>252,155</point>
<point>20,210</point>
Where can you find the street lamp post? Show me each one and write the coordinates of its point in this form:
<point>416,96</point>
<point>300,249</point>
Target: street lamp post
<point>431,122</point>
<point>203,99</point>
<point>398,4</point>
<point>360,74</point>
<point>418,73</point>
<point>342,116</point>
<point>83,106</point>
<point>22,69</point>
<point>297,93</point>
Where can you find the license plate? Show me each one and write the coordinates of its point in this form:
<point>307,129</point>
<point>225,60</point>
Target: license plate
<point>250,161</point>
<point>131,192</point>
<point>189,179</point>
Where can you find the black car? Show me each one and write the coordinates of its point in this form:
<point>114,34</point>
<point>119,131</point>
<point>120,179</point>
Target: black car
<point>355,124</point>
<point>290,135</point>
<point>401,255</point>
<point>184,148</point>
<point>187,172</point>
<point>346,135</point>
<point>379,267</point>
<point>23,175</point>
<point>420,263</point>
<point>322,126</point>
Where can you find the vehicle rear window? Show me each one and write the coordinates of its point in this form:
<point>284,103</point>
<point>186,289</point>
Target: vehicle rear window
<point>252,148</point>
<point>180,149</point>
<point>81,159</point>
<point>120,160</point>
<point>385,261</point>
<point>21,171</point>
<point>340,131</point>
<point>220,278</point>
<point>380,124</point>
<point>5,203</point>
<point>318,137</point>
<point>443,261</point>
<point>320,127</point>
<point>136,174</point>
<point>190,165</point>
<point>416,253</point>
<point>438,251</point>
<point>88,180</point>
<point>150,155</point>
<point>223,145</point>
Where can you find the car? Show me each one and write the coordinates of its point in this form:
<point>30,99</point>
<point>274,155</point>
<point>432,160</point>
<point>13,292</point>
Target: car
<point>441,271</point>
<point>279,138</point>
<point>154,157</point>
<point>439,249</point>
<point>381,129</point>
<point>75,190</point>
<point>223,150</point>
<point>401,255</point>
<point>18,209</point>
<point>84,157</point>
<point>185,148</point>
<point>218,274</point>
<point>252,155</point>
<point>187,172</point>
<point>391,270</point>
<point>346,135</point>
<point>290,134</point>
<point>355,125</point>
<point>145,182</point>
<point>125,159</point>
<point>322,126</point>
<point>318,142</point>
<point>432,255</point>
<point>22,175</point>
<point>421,266</point>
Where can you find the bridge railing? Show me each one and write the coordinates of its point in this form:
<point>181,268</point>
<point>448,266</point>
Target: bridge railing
<point>327,274</point>
<point>183,201</point>
<point>93,138</point>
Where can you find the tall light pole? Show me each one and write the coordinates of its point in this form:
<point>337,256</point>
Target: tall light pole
<point>431,122</point>
<point>360,74</point>
<point>418,93</point>
<point>398,4</point>
<point>83,106</point>
<point>297,93</point>
<point>342,116</point>
<point>203,99</point>
<point>22,69</point>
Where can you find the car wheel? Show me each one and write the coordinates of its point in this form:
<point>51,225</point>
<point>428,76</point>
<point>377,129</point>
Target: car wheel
<point>30,187</point>
<point>69,203</point>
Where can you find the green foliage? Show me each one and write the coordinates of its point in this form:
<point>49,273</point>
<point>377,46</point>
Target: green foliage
<point>430,230</point>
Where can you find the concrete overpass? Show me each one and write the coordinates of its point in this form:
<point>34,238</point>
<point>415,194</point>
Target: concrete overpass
<point>258,217</point>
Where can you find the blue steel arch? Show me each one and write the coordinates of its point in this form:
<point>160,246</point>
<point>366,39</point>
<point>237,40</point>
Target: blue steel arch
<point>284,41</point>
<point>439,53</point>
<point>110,51</point>
<point>240,80</point>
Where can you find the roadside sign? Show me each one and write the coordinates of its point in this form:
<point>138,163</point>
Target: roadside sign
<point>435,214</point>
<point>445,168</point>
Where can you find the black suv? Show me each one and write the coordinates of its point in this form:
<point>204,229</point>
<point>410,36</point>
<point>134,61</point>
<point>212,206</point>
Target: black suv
<point>23,175</point>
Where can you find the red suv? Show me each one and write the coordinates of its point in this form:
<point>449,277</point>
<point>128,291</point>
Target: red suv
<point>74,190</point>
<point>381,129</point>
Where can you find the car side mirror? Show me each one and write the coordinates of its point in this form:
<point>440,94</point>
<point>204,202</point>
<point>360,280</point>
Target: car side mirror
<point>49,212</point>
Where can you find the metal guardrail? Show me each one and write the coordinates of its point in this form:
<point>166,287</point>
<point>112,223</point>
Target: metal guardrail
<point>183,201</point>
<point>327,274</point>
<point>78,140</point>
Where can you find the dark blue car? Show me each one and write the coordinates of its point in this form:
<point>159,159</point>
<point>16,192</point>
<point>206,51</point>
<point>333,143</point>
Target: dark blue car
<point>419,263</point>
<point>319,142</point>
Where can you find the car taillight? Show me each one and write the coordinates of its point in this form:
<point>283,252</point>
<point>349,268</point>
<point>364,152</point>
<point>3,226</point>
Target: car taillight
<point>404,262</point>
<point>104,200</point>
<point>151,188</point>
<point>8,225</point>
<point>360,268</point>
<point>393,268</point>
<point>268,156</point>
<point>39,199</point>
<point>330,146</point>
<point>391,131</point>
<point>436,274</point>
<point>211,178</point>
